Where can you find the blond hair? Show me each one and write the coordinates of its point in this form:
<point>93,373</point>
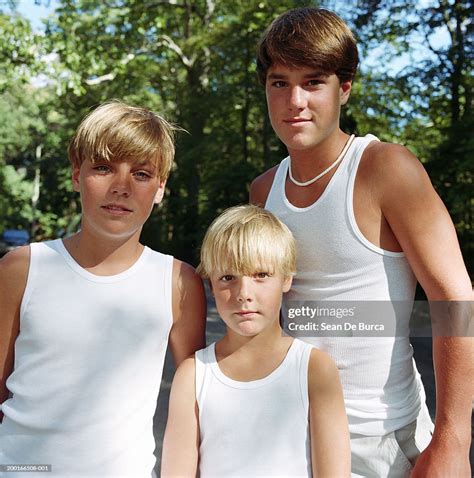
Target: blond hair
<point>247,239</point>
<point>116,131</point>
<point>309,37</point>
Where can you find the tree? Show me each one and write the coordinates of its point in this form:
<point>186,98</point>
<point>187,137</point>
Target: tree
<point>432,94</point>
<point>174,57</point>
<point>193,61</point>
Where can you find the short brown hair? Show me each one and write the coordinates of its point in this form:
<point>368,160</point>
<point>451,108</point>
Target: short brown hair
<point>309,37</point>
<point>116,131</point>
<point>246,239</point>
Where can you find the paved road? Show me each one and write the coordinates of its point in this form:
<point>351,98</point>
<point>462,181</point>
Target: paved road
<point>215,329</point>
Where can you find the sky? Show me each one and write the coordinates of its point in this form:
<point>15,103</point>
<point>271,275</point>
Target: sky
<point>34,12</point>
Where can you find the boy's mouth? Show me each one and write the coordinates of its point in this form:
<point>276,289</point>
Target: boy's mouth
<point>247,313</point>
<point>296,120</point>
<point>117,208</point>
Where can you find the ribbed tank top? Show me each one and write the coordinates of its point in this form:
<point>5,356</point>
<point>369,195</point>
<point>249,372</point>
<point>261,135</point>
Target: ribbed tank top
<point>88,366</point>
<point>256,428</point>
<point>382,388</point>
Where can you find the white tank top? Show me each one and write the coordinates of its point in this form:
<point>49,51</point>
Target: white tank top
<point>257,428</point>
<point>88,366</point>
<point>335,262</point>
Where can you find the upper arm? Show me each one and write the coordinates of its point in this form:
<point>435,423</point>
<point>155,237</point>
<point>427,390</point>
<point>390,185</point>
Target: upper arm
<point>330,448</point>
<point>189,312</point>
<point>13,275</point>
<point>181,441</point>
<point>260,187</point>
<point>420,222</point>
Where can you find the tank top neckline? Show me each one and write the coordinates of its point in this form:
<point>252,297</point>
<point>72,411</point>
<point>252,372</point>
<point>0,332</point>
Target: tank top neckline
<point>284,173</point>
<point>277,372</point>
<point>58,244</point>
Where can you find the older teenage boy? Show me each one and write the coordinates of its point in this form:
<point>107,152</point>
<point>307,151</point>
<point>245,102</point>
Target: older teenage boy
<point>85,322</point>
<point>368,224</point>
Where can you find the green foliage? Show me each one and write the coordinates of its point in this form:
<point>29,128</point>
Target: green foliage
<point>193,61</point>
<point>18,50</point>
<point>15,204</point>
<point>428,104</point>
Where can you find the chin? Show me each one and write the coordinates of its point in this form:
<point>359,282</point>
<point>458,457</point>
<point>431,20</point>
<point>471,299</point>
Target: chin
<point>248,331</point>
<point>299,144</point>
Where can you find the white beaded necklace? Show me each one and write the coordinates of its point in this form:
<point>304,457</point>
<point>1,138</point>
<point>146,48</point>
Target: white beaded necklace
<point>320,175</point>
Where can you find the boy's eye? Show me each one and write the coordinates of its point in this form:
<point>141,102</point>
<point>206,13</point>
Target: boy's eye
<point>278,84</point>
<point>102,168</point>
<point>226,278</point>
<point>314,82</point>
<point>261,275</point>
<point>142,175</point>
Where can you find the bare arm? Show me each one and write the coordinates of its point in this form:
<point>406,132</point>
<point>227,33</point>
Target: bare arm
<point>330,448</point>
<point>422,226</point>
<point>189,312</point>
<point>13,275</point>
<point>181,442</point>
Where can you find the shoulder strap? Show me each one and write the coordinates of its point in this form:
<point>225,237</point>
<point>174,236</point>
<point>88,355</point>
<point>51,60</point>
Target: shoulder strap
<point>202,360</point>
<point>304,355</point>
<point>276,191</point>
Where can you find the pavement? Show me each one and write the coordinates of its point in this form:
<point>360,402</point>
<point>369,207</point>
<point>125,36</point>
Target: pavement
<point>215,329</point>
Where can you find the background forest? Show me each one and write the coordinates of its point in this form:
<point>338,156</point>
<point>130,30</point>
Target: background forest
<point>193,61</point>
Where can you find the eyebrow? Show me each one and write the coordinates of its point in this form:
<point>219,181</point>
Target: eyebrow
<point>142,163</point>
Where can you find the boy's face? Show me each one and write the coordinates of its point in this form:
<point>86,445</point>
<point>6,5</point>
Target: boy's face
<point>304,105</point>
<point>249,304</point>
<point>117,197</point>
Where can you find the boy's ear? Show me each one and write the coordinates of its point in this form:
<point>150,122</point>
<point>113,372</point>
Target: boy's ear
<point>345,91</point>
<point>287,283</point>
<point>160,193</point>
<point>75,178</point>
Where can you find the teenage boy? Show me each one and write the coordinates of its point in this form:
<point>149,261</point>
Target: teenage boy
<point>85,321</point>
<point>256,402</point>
<point>368,224</point>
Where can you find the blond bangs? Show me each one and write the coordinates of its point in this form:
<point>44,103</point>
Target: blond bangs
<point>119,132</point>
<point>244,240</point>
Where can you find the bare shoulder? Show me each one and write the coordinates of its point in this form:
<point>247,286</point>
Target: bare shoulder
<point>18,258</point>
<point>389,162</point>
<point>322,372</point>
<point>188,287</point>
<point>182,271</point>
<point>187,366</point>
<point>183,394</point>
<point>13,276</point>
<point>260,187</point>
<point>189,312</point>
<point>185,372</point>
<point>185,278</point>
<point>14,270</point>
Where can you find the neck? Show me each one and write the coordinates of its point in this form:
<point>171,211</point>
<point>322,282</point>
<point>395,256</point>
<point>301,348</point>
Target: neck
<point>267,341</point>
<point>103,257</point>
<point>309,162</point>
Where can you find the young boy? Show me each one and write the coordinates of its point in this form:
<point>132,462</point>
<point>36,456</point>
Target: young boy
<point>368,224</point>
<point>257,402</point>
<point>85,321</point>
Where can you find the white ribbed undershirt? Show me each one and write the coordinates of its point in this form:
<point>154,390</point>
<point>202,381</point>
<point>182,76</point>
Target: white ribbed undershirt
<point>88,366</point>
<point>256,428</point>
<point>335,262</point>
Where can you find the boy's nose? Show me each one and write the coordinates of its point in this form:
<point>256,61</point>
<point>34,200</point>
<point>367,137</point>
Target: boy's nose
<point>297,97</point>
<point>121,185</point>
<point>244,290</point>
